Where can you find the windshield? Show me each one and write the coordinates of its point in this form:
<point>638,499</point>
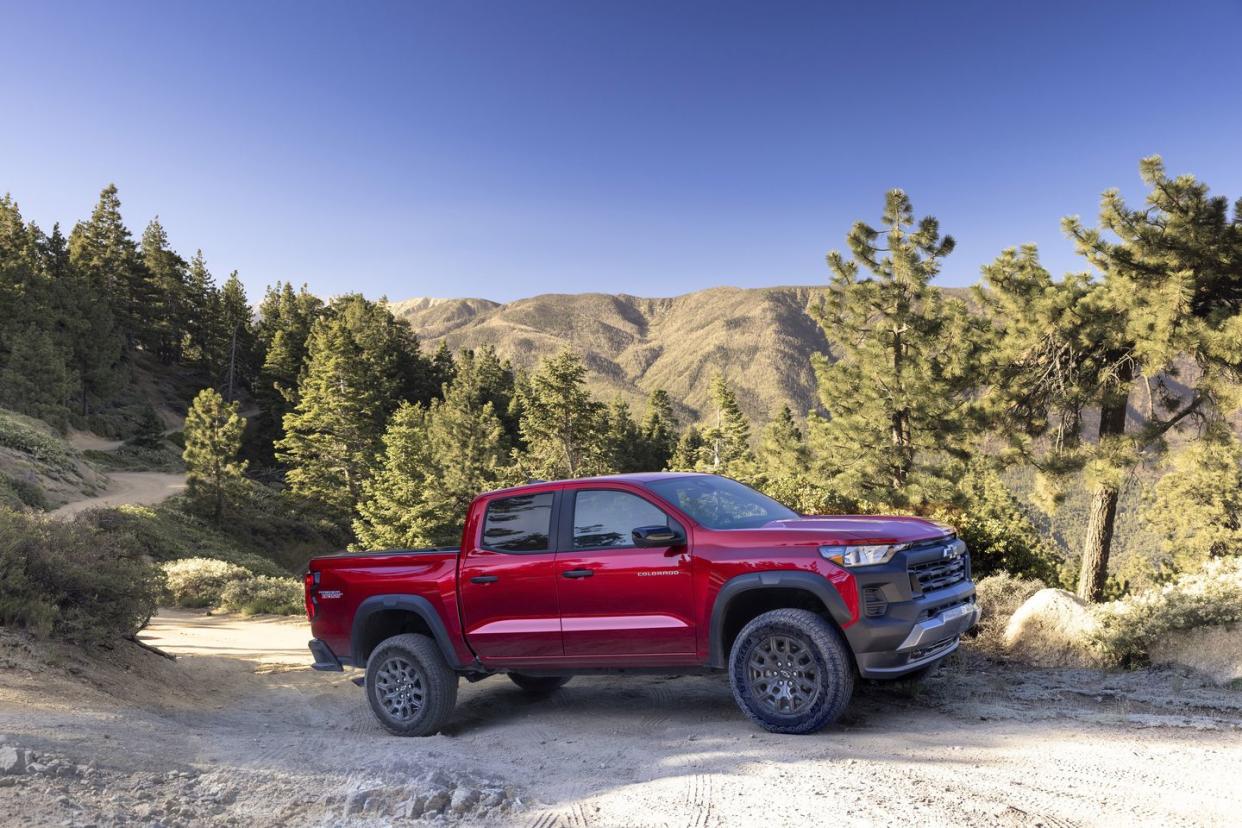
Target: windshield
<point>720,503</point>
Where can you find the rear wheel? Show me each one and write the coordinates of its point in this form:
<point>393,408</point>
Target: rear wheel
<point>791,672</point>
<point>410,686</point>
<point>538,684</point>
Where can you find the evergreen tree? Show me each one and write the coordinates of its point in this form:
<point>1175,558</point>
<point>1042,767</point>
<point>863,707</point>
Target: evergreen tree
<point>726,442</point>
<point>282,332</point>
<point>1167,290</point>
<point>213,433</point>
<point>166,282</point>
<point>202,316</point>
<point>1197,507</point>
<point>234,341</point>
<point>435,461</point>
<point>361,364</point>
<point>659,432</point>
<point>103,250</point>
<point>783,451</point>
<point>562,426</point>
<point>689,451</point>
<point>35,379</point>
<point>624,439</point>
<point>443,368</point>
<point>898,397</point>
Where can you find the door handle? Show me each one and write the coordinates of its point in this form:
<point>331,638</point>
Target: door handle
<point>578,573</point>
<point>484,579</point>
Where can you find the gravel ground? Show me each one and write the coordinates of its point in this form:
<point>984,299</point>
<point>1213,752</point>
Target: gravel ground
<point>238,732</point>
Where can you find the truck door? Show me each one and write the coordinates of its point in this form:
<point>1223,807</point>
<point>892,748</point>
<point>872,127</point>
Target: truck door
<point>616,598</point>
<point>508,581</point>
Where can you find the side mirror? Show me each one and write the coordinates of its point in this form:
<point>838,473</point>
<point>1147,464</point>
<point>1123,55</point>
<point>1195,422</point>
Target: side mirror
<point>658,536</point>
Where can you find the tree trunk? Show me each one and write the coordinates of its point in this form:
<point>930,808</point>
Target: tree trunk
<point>1098,543</point>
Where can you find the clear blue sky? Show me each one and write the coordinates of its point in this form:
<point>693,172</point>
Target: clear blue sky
<point>512,148</point>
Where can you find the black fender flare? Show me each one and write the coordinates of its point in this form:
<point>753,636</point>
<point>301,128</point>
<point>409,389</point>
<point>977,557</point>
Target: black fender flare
<point>811,582</point>
<point>415,604</point>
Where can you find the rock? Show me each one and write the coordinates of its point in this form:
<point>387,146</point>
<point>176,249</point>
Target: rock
<point>357,801</point>
<point>437,802</point>
<point>464,799</point>
<point>1215,651</point>
<point>1052,628</point>
<point>12,760</point>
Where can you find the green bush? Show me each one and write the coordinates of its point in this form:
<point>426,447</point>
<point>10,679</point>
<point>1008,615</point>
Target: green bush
<point>199,582</point>
<point>998,531</point>
<point>71,581</point>
<point>264,596</point>
<point>16,493</point>
<point>1129,626</point>
<point>33,438</point>
<point>167,533</point>
<point>998,597</point>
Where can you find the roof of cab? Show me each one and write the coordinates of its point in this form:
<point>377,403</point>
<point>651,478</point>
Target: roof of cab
<point>638,477</point>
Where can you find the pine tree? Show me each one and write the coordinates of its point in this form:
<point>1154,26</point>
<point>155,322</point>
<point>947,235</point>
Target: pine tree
<point>166,281</point>
<point>562,426</point>
<point>783,451</point>
<point>213,433</point>
<point>689,451</point>
<point>624,439</point>
<point>1196,508</point>
<point>103,250</point>
<point>659,432</point>
<point>435,461</point>
<point>202,315</point>
<point>234,342</point>
<point>1167,290</point>
<point>726,442</point>
<point>35,379</point>
<point>361,364</point>
<point>282,331</point>
<point>898,397</point>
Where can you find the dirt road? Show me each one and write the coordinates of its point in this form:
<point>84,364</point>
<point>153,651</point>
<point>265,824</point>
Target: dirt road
<point>237,732</point>
<point>142,488</point>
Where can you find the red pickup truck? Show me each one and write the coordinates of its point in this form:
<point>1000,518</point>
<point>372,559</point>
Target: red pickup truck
<point>655,572</point>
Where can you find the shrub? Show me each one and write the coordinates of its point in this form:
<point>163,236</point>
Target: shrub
<point>998,597</point>
<point>73,582</point>
<point>264,596</point>
<point>1130,626</point>
<point>998,531</point>
<point>33,438</point>
<point>200,582</point>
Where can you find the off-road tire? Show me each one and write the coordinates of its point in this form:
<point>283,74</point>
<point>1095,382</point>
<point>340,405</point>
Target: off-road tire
<point>791,671</point>
<point>538,684</point>
<point>410,686</point>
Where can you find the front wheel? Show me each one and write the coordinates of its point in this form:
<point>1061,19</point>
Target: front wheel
<point>790,671</point>
<point>410,686</point>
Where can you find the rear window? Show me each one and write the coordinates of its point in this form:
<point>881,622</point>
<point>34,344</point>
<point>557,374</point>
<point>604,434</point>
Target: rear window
<point>519,524</point>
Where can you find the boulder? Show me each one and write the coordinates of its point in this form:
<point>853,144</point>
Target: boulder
<point>1052,628</point>
<point>12,760</point>
<point>1215,651</point>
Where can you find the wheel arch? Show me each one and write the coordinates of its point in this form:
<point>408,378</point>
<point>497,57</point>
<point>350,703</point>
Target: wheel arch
<point>383,616</point>
<point>743,597</point>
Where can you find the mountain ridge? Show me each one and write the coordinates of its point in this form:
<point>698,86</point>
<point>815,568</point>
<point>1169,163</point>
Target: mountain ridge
<point>760,339</point>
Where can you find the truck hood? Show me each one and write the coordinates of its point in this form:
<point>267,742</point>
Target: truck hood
<point>848,529</point>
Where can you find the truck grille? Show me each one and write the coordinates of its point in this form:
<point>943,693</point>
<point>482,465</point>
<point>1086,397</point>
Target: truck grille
<point>933,575</point>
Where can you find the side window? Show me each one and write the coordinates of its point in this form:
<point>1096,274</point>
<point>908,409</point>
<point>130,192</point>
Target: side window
<point>605,518</point>
<point>519,524</point>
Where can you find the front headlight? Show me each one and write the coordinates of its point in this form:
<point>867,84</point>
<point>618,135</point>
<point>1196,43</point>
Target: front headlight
<point>862,555</point>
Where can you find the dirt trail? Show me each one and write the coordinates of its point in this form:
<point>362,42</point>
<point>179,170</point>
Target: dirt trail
<point>236,732</point>
<point>142,488</point>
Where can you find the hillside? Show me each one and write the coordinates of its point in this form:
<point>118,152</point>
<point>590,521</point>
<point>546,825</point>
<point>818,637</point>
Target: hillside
<point>760,339</point>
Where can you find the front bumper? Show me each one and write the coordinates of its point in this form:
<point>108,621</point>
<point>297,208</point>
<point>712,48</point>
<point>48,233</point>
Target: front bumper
<point>902,627</point>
